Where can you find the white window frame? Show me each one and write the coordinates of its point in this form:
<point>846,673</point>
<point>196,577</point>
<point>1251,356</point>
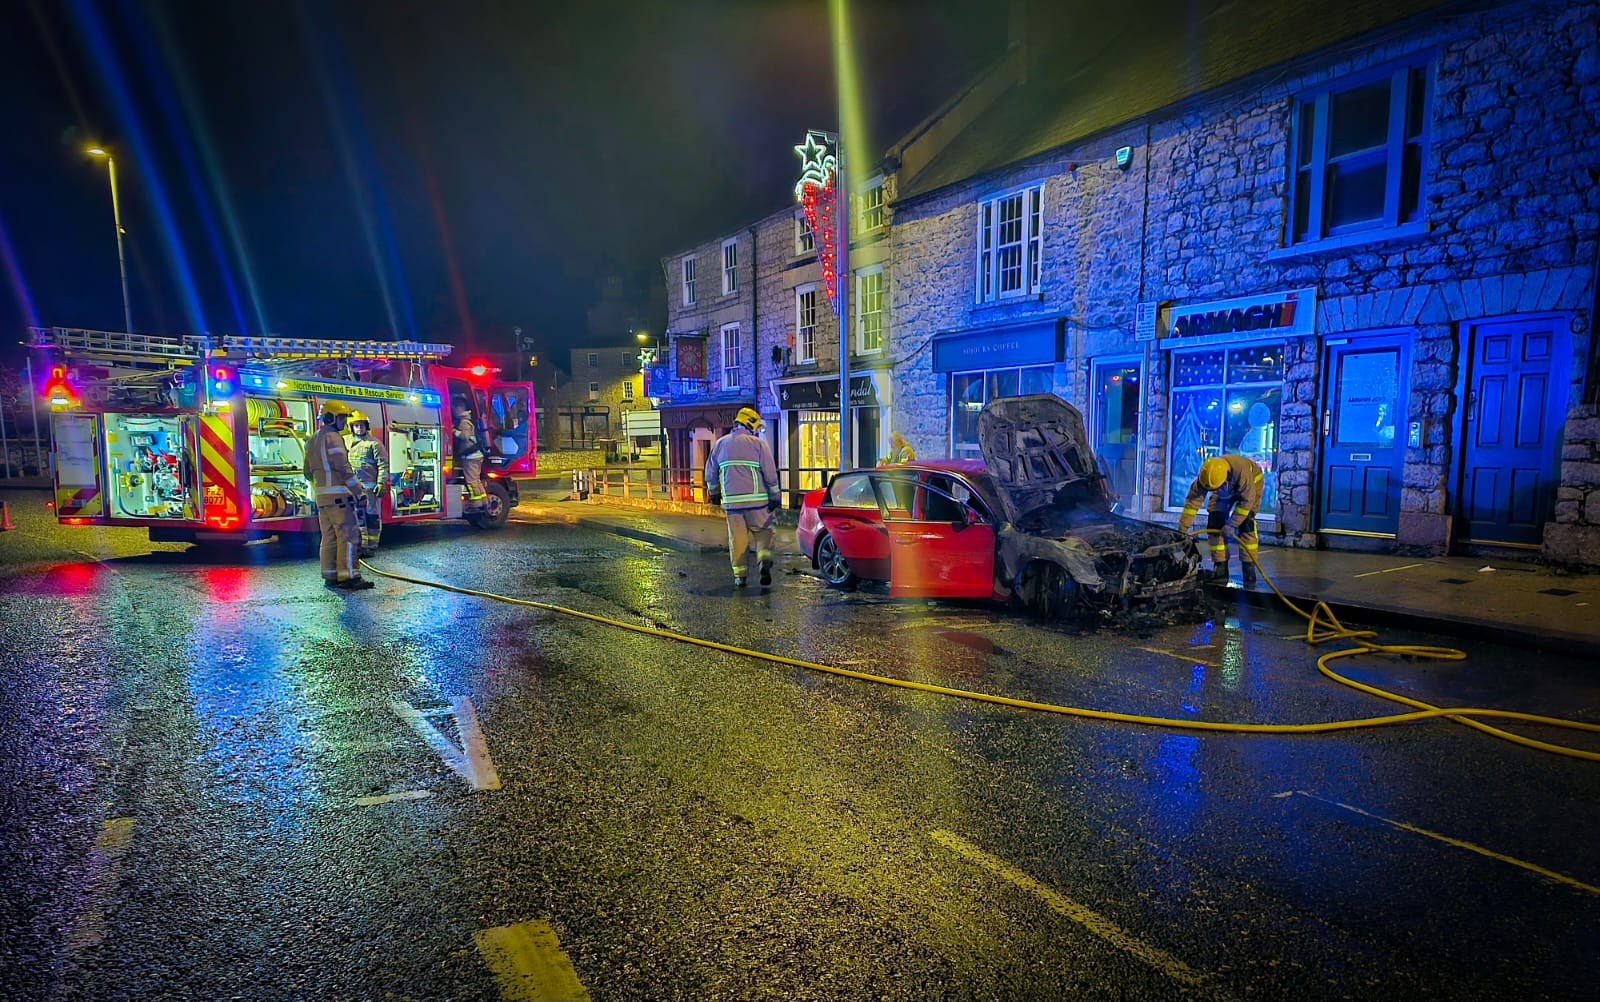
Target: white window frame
<point>627,390</point>
<point>805,333</point>
<point>997,238</point>
<point>871,214</point>
<point>594,391</point>
<point>732,358</point>
<point>805,242</point>
<point>871,320</point>
<point>730,266</point>
<point>594,360</point>
<point>688,281</point>
<point>628,358</point>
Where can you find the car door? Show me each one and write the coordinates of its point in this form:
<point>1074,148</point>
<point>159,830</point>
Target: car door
<point>939,545</point>
<point>849,513</point>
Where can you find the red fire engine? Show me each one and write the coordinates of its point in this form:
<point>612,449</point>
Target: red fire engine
<point>202,437</point>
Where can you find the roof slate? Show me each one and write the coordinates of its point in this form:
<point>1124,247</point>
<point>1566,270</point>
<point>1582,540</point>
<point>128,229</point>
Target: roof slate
<point>1111,63</point>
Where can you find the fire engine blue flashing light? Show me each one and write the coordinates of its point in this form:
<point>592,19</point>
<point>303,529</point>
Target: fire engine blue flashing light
<point>430,399</point>
<point>255,380</point>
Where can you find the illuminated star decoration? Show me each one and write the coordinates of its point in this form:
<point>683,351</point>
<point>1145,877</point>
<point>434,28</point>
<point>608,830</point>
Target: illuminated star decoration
<point>817,193</point>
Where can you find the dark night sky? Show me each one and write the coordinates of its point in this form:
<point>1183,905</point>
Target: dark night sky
<point>482,158</point>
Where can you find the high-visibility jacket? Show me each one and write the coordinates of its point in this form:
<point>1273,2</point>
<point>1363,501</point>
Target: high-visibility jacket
<point>369,459</point>
<point>327,466</point>
<point>742,468</point>
<point>1240,492</point>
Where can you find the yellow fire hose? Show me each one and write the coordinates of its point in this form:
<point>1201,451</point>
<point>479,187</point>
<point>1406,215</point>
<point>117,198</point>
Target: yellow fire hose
<point>1321,627</point>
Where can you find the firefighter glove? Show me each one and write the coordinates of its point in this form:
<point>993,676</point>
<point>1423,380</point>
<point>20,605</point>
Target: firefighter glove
<point>773,504</point>
<point>714,496</point>
<point>1184,521</point>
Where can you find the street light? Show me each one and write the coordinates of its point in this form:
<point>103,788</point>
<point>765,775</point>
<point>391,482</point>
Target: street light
<point>116,217</point>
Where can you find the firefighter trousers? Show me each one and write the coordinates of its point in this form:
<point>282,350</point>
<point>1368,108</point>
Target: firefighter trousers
<point>340,538</point>
<point>371,521</point>
<point>1248,539</point>
<point>746,525</point>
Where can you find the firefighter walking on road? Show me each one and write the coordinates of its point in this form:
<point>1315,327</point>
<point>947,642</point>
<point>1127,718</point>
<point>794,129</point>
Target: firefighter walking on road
<point>370,460</point>
<point>1235,485</point>
<point>742,477</point>
<point>337,492</point>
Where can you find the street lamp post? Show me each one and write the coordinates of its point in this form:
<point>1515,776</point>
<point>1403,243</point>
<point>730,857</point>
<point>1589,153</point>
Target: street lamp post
<point>116,217</point>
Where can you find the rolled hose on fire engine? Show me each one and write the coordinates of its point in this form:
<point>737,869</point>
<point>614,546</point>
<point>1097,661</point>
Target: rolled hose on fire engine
<point>1321,627</point>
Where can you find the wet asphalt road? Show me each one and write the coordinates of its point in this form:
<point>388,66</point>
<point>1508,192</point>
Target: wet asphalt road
<point>191,748</point>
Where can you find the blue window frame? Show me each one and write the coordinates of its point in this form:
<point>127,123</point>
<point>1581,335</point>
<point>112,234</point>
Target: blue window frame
<point>1360,154</point>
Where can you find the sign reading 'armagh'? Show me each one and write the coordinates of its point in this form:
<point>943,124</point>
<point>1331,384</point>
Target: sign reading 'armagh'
<point>1293,312</point>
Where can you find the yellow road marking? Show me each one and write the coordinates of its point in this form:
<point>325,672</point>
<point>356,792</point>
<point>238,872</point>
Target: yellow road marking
<point>528,961</point>
<point>390,797</point>
<point>1559,878</point>
<point>1181,656</point>
<point>1387,570</point>
<point>1090,919</point>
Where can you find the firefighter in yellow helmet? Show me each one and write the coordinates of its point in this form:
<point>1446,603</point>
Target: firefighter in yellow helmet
<point>370,460</point>
<point>1234,483</point>
<point>742,477</point>
<point>336,492</point>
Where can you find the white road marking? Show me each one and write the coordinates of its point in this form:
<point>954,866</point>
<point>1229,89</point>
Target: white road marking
<point>391,797</point>
<point>471,762</point>
<point>529,963</point>
<point>1090,919</point>
<point>1559,878</point>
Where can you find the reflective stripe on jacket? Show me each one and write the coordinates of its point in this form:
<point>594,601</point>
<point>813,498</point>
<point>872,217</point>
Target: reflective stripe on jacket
<point>1241,491</point>
<point>327,465</point>
<point>742,468</point>
<point>369,459</point>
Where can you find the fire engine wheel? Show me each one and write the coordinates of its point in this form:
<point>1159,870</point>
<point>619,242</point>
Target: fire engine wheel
<point>496,508</point>
<point>831,564</point>
<point>1047,591</point>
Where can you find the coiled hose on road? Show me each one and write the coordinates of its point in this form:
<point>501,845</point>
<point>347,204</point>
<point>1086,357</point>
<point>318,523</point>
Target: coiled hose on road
<point>1321,627</point>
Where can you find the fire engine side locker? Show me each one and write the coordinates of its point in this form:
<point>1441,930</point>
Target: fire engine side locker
<point>78,476</point>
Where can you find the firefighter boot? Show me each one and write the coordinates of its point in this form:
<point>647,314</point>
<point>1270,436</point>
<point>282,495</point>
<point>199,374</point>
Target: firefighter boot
<point>1219,574</point>
<point>1247,574</point>
<point>765,565</point>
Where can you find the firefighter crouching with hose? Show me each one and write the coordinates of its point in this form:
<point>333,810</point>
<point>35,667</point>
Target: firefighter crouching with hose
<point>337,492</point>
<point>371,462</point>
<point>1234,483</point>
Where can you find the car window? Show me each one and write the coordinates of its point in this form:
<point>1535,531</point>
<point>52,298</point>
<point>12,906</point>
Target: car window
<point>939,501</point>
<point>895,494</point>
<point>851,491</point>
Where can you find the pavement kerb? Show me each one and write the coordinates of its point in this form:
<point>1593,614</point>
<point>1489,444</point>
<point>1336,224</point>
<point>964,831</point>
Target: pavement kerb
<point>1358,615</point>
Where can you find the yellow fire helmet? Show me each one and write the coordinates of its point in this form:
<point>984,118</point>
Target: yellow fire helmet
<point>748,417</point>
<point>359,416</point>
<point>335,408</point>
<point>1213,472</point>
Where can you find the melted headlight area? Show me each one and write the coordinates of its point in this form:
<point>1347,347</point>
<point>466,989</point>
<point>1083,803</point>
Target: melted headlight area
<point>1106,567</point>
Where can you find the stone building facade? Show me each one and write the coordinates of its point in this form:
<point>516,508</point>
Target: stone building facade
<point>605,383</point>
<point>1371,268</point>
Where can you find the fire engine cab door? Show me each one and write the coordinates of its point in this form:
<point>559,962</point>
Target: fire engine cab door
<point>941,548</point>
<point>78,464</point>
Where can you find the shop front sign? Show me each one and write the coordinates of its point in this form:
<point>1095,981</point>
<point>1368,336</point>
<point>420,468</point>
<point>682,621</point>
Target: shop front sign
<point>823,394</point>
<point>1000,348</point>
<point>1290,313</point>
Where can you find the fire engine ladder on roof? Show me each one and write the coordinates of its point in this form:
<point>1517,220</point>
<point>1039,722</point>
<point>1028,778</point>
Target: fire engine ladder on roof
<point>195,347</point>
<point>118,345</point>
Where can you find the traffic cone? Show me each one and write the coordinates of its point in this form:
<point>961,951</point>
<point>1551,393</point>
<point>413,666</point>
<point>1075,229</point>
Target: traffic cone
<point>5,517</point>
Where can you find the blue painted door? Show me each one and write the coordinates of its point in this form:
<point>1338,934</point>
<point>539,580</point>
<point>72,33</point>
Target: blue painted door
<point>1364,436</point>
<point>1516,403</point>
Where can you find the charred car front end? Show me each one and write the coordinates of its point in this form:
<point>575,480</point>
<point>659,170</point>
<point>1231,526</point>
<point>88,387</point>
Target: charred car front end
<point>1062,546</point>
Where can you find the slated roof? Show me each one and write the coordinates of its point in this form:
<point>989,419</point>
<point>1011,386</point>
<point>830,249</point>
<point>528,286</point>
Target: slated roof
<point>1095,65</point>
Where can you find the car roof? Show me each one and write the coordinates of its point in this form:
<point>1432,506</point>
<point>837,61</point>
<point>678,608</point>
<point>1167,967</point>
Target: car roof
<point>965,467</point>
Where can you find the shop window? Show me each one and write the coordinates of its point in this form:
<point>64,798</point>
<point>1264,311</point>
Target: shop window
<point>1225,400</point>
<point>1360,151</point>
<point>969,391</point>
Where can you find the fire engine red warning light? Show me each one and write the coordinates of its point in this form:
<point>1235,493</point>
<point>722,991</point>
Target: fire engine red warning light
<point>74,521</point>
<point>223,521</point>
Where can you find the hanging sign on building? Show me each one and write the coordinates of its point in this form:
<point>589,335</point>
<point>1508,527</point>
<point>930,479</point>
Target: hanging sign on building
<point>1291,313</point>
<point>823,394</point>
<point>817,192</point>
<point>690,353</point>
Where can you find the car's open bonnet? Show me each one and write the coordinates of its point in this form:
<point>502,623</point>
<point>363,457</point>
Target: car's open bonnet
<point>1035,446</point>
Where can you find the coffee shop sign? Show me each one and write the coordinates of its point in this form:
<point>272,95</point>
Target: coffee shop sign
<point>1293,312</point>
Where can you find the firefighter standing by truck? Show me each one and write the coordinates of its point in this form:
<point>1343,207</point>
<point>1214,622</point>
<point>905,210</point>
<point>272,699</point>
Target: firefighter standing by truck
<point>742,477</point>
<point>336,492</point>
<point>1235,485</point>
<point>370,460</point>
<point>469,451</point>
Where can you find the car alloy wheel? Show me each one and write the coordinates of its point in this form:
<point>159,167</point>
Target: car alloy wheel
<point>831,563</point>
<point>1049,591</point>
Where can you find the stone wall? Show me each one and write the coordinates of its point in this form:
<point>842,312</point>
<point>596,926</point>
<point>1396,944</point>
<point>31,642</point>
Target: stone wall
<point>1512,211</point>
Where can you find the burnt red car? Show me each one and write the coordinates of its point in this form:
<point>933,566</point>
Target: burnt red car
<point>1035,523</point>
